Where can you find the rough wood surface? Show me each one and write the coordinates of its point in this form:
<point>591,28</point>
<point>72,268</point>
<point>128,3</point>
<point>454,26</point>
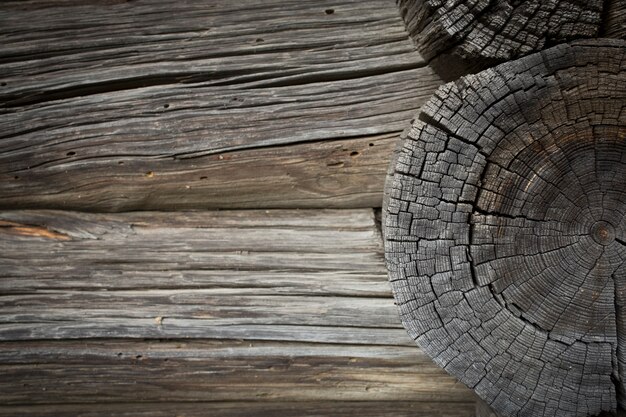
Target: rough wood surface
<point>120,106</point>
<point>505,231</point>
<point>240,409</point>
<point>459,37</point>
<point>123,371</point>
<point>615,19</point>
<point>276,306</point>
<point>292,275</point>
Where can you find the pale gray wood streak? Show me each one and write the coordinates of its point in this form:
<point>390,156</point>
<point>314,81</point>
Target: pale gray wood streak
<point>221,274</point>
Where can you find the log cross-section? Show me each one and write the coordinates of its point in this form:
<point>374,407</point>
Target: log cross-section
<point>505,231</point>
<point>466,36</point>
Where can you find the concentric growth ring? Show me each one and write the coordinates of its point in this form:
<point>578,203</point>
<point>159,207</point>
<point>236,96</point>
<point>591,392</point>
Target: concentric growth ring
<point>505,231</point>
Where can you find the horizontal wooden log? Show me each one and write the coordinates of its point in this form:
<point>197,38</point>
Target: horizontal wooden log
<point>248,274</point>
<point>279,252</point>
<point>197,110</point>
<point>111,371</point>
<point>239,409</point>
<point>334,173</point>
<point>206,311</point>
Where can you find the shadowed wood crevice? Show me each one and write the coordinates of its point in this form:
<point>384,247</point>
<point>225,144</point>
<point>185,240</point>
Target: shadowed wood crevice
<point>503,220</point>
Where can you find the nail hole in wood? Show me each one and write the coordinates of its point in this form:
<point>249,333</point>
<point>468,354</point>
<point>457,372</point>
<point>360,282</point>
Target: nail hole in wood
<point>71,153</point>
<point>329,11</point>
<point>166,106</point>
<point>203,178</point>
<point>354,153</point>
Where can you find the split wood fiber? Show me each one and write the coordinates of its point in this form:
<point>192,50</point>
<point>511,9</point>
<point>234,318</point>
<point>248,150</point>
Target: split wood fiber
<point>505,231</point>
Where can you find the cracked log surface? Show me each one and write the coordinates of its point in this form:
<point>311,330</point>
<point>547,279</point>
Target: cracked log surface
<point>505,231</point>
<point>116,106</point>
<point>459,37</point>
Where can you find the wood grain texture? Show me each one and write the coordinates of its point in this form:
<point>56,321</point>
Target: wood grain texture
<point>116,106</point>
<point>240,409</point>
<point>461,37</point>
<point>505,231</point>
<point>215,308</point>
<point>121,371</point>
<point>257,274</point>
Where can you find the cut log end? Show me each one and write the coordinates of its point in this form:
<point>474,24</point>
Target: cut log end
<point>505,230</point>
<point>465,37</point>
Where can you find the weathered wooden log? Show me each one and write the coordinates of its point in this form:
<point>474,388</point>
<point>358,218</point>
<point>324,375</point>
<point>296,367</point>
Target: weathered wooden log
<point>245,407</point>
<point>117,106</point>
<point>112,371</point>
<point>459,37</point>
<point>229,309</point>
<point>505,231</point>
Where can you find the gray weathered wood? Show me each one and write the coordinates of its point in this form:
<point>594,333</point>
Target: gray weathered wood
<point>248,408</point>
<point>277,306</point>
<point>268,275</point>
<point>120,106</point>
<point>505,231</point>
<point>466,36</point>
<point>122,371</point>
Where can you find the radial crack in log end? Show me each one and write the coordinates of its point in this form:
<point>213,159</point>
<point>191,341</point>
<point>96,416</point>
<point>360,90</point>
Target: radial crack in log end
<point>504,229</point>
<point>460,37</point>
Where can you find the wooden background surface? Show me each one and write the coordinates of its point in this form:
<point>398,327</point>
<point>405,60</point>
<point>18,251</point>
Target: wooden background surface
<point>282,112</point>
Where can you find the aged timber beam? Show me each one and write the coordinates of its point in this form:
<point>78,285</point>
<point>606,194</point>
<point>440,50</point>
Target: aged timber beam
<point>250,312</point>
<point>505,231</point>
